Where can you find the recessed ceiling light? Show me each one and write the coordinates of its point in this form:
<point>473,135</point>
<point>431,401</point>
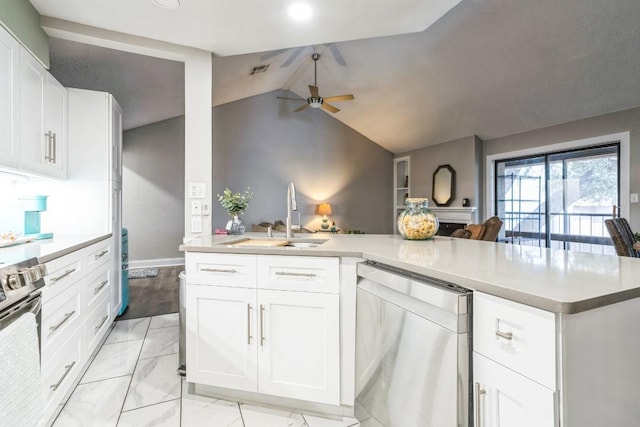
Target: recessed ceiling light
<point>167,4</point>
<point>299,11</point>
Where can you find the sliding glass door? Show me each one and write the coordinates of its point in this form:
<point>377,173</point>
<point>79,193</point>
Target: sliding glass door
<point>560,199</point>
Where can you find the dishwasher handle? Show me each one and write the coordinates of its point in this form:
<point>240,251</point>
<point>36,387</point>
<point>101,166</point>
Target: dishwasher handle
<point>427,299</point>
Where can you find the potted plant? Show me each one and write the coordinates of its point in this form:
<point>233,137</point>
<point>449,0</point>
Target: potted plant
<point>235,204</point>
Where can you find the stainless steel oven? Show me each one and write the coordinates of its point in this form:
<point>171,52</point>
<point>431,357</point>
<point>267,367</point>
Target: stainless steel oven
<point>20,289</point>
<point>412,350</point>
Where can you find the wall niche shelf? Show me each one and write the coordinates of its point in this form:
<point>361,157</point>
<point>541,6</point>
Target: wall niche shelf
<point>401,186</point>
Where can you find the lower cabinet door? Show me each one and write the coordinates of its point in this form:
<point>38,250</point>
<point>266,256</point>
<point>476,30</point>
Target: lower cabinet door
<point>221,336</point>
<point>299,345</point>
<point>503,397</point>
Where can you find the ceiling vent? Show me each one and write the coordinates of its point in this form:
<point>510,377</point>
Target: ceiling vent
<point>259,69</point>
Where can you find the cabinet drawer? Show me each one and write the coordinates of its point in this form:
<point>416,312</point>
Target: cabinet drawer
<point>97,254</point>
<point>61,274</point>
<point>221,269</point>
<point>60,317</point>
<point>96,285</point>
<point>60,373</point>
<point>298,273</point>
<point>517,336</point>
<point>97,324</point>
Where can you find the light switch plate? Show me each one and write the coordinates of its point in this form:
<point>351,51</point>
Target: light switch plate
<point>205,209</point>
<point>196,190</point>
<point>196,224</point>
<point>196,207</point>
<point>633,198</point>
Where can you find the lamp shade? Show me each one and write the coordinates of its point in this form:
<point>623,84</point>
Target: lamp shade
<point>323,209</point>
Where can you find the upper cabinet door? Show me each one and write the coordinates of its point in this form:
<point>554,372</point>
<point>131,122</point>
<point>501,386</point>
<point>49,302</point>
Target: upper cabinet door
<point>9,69</point>
<point>55,126</point>
<point>43,106</point>
<point>34,146</point>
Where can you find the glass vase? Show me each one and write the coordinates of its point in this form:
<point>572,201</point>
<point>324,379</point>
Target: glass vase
<point>235,226</point>
<point>417,222</point>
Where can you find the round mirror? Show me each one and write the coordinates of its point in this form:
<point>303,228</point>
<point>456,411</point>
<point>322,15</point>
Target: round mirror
<point>444,185</point>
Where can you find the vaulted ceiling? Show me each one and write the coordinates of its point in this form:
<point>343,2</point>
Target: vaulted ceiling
<point>487,67</point>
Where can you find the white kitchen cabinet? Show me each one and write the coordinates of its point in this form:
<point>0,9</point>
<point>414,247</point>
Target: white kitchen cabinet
<point>76,315</point>
<point>221,345</point>
<point>537,368</point>
<point>298,345</point>
<point>95,134</point>
<point>43,116</point>
<point>9,107</point>
<point>514,364</point>
<point>273,341</point>
<point>506,398</point>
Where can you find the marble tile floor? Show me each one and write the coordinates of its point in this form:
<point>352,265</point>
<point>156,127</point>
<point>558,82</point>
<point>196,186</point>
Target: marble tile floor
<point>132,382</point>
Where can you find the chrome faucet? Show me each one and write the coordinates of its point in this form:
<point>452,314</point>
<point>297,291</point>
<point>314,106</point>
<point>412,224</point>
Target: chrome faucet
<point>291,205</point>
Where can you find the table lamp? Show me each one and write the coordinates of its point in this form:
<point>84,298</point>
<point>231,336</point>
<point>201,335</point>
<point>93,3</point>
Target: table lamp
<point>324,209</point>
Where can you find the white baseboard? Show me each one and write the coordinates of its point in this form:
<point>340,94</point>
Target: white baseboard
<point>161,262</point>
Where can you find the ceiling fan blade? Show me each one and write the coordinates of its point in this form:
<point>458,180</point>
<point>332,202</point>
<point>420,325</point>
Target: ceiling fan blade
<point>273,53</point>
<point>314,91</point>
<point>330,107</point>
<point>336,54</point>
<point>291,99</point>
<point>304,107</point>
<point>293,57</point>
<point>339,98</point>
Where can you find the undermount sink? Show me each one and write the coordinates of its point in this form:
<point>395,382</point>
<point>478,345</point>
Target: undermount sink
<point>306,243</point>
<point>276,242</point>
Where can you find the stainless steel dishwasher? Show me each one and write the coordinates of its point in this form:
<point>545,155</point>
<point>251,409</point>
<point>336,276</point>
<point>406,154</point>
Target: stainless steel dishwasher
<point>412,349</point>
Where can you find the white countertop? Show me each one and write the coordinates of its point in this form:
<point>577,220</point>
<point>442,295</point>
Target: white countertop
<point>48,249</point>
<point>551,279</point>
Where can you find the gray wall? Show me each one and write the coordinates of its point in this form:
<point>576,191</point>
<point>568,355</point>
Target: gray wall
<point>622,121</point>
<point>259,143</point>
<point>153,189</point>
<point>465,157</point>
<point>23,20</point>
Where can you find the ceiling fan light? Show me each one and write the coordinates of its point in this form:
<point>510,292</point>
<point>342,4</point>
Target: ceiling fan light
<point>315,102</point>
<point>299,11</point>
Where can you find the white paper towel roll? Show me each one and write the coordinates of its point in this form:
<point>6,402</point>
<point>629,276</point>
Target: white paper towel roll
<point>21,403</point>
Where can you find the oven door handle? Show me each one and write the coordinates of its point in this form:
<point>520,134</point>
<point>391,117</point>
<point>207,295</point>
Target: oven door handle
<point>36,305</point>
<point>33,305</point>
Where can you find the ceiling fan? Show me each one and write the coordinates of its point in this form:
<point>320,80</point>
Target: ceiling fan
<point>315,100</point>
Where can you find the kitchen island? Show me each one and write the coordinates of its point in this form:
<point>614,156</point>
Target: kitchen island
<point>554,331</point>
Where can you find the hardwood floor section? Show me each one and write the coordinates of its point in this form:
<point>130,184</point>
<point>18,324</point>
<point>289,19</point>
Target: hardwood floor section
<point>152,296</point>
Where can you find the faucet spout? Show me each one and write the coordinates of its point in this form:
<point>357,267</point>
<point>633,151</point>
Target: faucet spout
<point>291,205</point>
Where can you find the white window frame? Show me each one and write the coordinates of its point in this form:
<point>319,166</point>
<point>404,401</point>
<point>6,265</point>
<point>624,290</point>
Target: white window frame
<point>623,137</point>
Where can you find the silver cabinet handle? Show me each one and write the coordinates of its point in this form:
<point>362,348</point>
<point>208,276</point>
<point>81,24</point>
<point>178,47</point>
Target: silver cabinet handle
<point>67,316</point>
<point>53,149</point>
<point>261,325</point>
<point>99,288</point>
<point>288,273</point>
<point>479,392</point>
<point>67,369</point>
<point>220,270</point>
<point>104,319</point>
<point>63,275</point>
<point>506,335</point>
<point>47,148</point>
<point>101,254</point>
<point>249,324</point>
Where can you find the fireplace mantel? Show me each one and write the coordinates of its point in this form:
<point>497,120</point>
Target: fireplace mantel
<point>457,215</point>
